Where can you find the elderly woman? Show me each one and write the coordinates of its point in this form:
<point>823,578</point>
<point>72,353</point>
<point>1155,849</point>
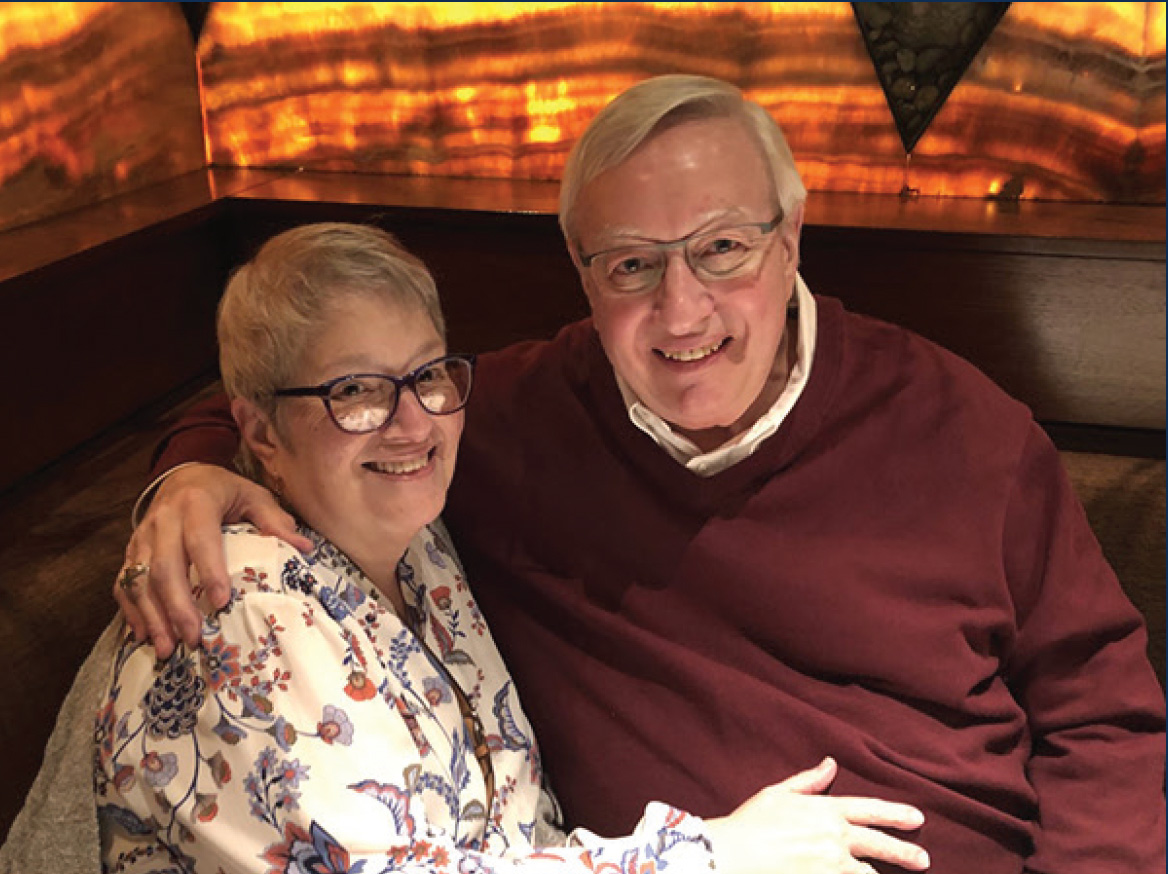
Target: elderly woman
<point>348,707</point>
<point>348,710</point>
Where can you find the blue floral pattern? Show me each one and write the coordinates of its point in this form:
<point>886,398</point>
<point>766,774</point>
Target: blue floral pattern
<point>315,731</point>
<point>172,703</point>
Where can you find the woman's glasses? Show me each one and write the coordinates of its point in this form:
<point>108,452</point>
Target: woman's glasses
<point>360,403</point>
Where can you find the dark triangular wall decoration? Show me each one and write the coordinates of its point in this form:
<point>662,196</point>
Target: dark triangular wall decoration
<point>920,52</point>
<point>196,16</point>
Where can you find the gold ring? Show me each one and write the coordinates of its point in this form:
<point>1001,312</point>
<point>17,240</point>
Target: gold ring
<point>131,573</point>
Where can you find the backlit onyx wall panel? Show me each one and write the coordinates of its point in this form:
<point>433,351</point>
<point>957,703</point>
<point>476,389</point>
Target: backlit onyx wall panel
<point>1065,101</point>
<point>96,99</point>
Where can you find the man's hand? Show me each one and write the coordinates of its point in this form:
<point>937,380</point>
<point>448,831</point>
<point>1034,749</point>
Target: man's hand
<point>792,827</point>
<point>181,529</point>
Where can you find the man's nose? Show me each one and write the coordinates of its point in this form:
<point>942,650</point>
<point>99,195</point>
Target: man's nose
<point>682,299</point>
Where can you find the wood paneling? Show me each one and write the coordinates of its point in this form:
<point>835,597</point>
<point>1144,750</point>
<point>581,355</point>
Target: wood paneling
<point>1074,330</point>
<point>88,340</point>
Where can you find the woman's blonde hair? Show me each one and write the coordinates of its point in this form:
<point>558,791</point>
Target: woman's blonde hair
<point>275,303</point>
<point>657,104</point>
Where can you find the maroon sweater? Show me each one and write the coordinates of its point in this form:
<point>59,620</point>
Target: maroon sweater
<point>900,577</point>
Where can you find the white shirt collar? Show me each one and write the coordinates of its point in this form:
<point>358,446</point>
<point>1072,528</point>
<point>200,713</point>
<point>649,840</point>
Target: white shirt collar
<point>685,452</point>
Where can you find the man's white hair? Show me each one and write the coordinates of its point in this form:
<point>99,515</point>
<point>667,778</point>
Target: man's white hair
<point>657,104</point>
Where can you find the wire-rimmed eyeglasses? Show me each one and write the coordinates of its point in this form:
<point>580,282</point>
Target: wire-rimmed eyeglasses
<point>713,256</point>
<point>359,403</point>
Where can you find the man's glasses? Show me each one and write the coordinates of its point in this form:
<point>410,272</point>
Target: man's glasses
<point>360,403</point>
<point>713,256</point>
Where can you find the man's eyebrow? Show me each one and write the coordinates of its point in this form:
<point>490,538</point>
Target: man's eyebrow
<point>620,235</point>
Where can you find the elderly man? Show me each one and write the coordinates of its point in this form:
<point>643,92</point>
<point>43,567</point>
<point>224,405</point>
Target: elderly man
<point>725,527</point>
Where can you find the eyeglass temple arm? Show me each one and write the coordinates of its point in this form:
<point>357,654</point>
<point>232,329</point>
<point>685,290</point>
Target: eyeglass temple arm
<point>313,391</point>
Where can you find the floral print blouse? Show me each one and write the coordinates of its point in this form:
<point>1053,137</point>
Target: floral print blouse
<point>315,731</point>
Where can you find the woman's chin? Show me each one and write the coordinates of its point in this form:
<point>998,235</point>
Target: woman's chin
<point>409,515</point>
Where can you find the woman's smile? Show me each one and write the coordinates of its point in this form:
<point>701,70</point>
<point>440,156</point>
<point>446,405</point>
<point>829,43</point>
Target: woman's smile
<point>422,465</point>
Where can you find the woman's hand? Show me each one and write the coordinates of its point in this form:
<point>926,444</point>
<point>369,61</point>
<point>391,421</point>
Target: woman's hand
<point>793,828</point>
<point>181,529</point>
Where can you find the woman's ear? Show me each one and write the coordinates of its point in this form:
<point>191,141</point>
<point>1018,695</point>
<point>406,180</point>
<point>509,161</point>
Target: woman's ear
<point>257,431</point>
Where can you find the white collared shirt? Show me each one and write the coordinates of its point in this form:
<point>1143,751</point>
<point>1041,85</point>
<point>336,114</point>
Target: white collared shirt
<point>685,451</point>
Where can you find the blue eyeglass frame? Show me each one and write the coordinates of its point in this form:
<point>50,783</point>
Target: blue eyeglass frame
<point>409,380</point>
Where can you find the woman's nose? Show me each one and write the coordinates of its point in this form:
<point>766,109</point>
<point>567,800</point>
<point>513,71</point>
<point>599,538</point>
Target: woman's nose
<point>410,419</point>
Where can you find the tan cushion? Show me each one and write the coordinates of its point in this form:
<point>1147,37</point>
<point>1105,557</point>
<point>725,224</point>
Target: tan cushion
<point>1124,499</point>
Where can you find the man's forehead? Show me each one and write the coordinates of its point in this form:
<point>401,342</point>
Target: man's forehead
<point>697,174</point>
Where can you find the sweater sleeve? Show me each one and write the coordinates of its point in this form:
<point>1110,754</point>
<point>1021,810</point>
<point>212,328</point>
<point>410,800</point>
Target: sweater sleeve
<point>1079,669</point>
<point>206,432</point>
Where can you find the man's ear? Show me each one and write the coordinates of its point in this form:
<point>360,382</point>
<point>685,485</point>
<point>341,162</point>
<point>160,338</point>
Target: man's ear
<point>582,272</point>
<point>257,431</point>
<point>790,232</point>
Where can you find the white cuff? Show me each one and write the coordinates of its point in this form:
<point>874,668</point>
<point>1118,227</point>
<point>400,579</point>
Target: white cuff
<point>665,836</point>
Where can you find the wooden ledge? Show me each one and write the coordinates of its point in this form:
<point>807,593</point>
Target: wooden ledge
<point>1057,228</point>
<point>33,246</point>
